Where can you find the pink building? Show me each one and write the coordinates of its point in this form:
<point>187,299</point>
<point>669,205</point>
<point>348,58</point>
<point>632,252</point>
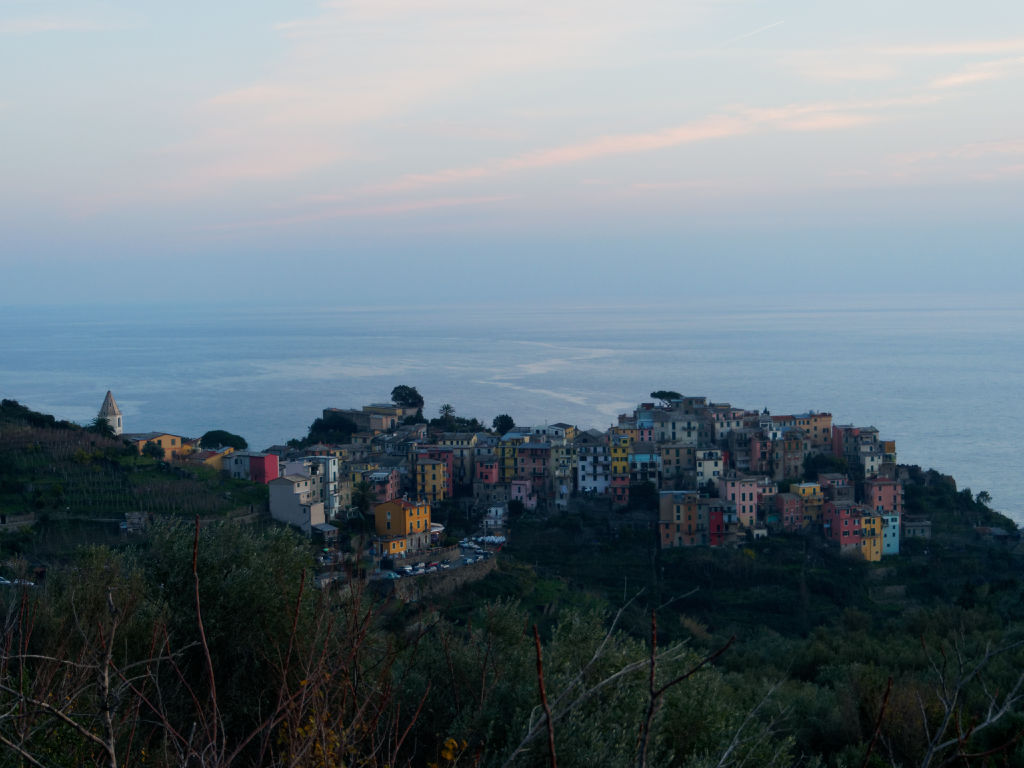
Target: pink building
<point>743,491</point>
<point>884,495</point>
<point>485,470</point>
<point>841,524</point>
<point>533,463</point>
<point>386,484</point>
<point>522,490</point>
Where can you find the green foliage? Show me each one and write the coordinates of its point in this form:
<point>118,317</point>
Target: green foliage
<point>13,412</point>
<point>219,438</point>
<point>101,426</point>
<point>643,496</point>
<point>415,418</point>
<point>363,497</point>
<point>818,463</point>
<point>153,451</point>
<point>503,423</point>
<point>249,588</point>
<point>332,427</point>
<point>406,396</point>
<point>457,424</point>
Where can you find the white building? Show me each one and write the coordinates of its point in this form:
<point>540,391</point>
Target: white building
<point>710,467</point>
<point>593,462</point>
<point>322,472</point>
<point>112,414</point>
<point>293,501</point>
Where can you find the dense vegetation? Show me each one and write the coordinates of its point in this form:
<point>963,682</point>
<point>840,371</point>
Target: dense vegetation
<point>206,644</point>
<point>66,476</point>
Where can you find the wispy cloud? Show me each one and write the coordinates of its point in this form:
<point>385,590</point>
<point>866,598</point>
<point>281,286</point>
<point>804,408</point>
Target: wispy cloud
<point>603,146</point>
<point>757,31</point>
<point>981,72</point>
<point>824,116</point>
<point>955,48</point>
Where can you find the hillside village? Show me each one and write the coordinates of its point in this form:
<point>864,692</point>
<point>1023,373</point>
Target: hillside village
<point>720,474</point>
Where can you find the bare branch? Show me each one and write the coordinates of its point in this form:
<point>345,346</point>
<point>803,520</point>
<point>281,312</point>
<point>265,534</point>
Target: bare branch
<point>544,700</point>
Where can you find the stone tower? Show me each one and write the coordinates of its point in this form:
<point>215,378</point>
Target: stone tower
<point>111,413</point>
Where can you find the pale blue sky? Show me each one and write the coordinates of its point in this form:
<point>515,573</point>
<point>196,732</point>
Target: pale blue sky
<point>572,148</point>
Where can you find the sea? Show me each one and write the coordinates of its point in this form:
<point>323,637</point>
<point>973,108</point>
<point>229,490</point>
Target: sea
<point>943,376</point>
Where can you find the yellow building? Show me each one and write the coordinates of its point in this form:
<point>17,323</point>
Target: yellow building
<point>871,537</point>
<point>813,499</point>
<point>174,446</point>
<point>507,451</point>
<point>402,526</point>
<point>214,459</point>
<point>817,427</point>
<point>431,480</point>
<point>618,447</point>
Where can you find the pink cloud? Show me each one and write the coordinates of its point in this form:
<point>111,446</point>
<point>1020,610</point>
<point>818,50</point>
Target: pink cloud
<point>981,72</point>
<point>963,48</point>
<point>823,116</point>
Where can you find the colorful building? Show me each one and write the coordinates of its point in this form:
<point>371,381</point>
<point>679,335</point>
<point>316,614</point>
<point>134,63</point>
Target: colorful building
<point>618,450</point>
<point>812,498</point>
<point>741,490</point>
<point>431,480</point>
<point>680,521</point>
<point>871,531</point>
<point>402,526</point>
<point>174,446</point>
<point>841,525</point>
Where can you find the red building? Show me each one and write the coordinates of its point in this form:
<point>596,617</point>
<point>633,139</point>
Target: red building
<point>485,470</point>
<point>263,467</point>
<point>841,524</point>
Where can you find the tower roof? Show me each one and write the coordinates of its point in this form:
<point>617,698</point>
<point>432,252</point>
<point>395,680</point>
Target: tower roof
<point>109,407</point>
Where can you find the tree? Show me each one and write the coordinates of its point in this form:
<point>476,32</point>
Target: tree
<point>817,463</point>
<point>218,438</point>
<point>447,414</point>
<point>153,451</point>
<point>332,427</point>
<point>363,496</point>
<point>406,396</point>
<point>101,426</point>
<point>666,396</point>
<point>503,424</point>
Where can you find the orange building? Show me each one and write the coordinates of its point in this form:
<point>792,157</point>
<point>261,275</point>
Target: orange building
<point>402,526</point>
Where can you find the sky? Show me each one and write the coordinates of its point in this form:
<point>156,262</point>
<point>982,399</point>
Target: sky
<point>373,151</point>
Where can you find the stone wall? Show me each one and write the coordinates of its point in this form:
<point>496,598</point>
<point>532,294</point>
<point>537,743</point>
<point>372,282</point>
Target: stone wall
<point>429,585</point>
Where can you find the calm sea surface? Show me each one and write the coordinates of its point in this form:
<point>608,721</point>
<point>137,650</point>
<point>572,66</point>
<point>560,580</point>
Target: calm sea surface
<point>941,377</point>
